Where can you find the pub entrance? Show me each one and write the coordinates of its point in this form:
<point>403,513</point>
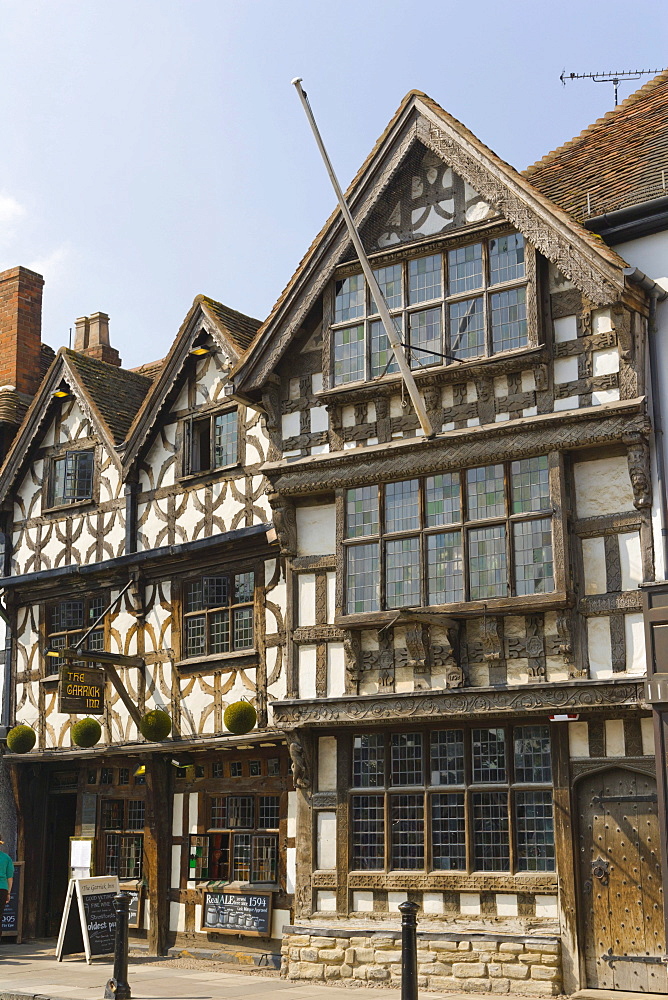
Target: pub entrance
<point>620,882</point>
<point>60,826</point>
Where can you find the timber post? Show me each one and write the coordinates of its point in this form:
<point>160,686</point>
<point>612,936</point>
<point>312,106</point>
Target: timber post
<point>158,849</point>
<point>409,913</point>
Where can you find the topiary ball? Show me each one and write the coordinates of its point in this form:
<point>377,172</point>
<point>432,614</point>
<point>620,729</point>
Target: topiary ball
<point>240,717</point>
<point>21,739</point>
<point>86,733</point>
<point>156,725</point>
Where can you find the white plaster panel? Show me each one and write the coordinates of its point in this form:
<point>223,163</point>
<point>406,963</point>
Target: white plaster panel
<point>647,731</point>
<point>307,668</point>
<point>567,403</point>
<point>471,392</point>
<point>602,396</point>
<point>546,906</point>
<point>279,920</point>
<point>506,904</point>
<point>566,369</point>
<point>326,840</point>
<point>615,745</point>
<point>348,416</point>
<point>634,631</point>
<point>306,597</point>
<point>530,411</point>
<point>631,559</point>
<point>501,385</point>
<point>600,647</point>
<point>177,916</point>
<point>292,815</point>
<point>290,425</point>
<point>319,419</point>
<point>565,328</point>
<point>605,362</point>
<point>394,900</point>
<point>326,901</point>
<point>528,381</point>
<point>363,901</point>
<point>290,868</point>
<point>578,739</point>
<point>432,902</point>
<point>603,487</point>
<point>316,530</point>
<point>593,558</point>
<point>601,321</point>
<point>177,815</point>
<point>176,866</point>
<point>320,449</point>
<point>193,805</point>
<point>469,903</point>
<point>336,670</point>
<point>331,597</point>
<point>327,763</point>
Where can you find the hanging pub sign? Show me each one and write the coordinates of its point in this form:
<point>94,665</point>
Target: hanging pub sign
<point>81,690</point>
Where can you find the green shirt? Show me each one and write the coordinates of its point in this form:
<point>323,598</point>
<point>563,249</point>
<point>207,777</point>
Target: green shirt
<point>6,869</point>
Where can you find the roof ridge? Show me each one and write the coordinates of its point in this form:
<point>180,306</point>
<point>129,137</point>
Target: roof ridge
<point>628,102</point>
<point>216,302</point>
<point>104,365</point>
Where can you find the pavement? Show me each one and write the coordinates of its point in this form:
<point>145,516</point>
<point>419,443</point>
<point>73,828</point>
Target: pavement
<point>31,972</point>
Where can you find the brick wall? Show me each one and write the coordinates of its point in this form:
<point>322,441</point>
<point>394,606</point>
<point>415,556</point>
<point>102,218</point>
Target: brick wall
<point>21,329</point>
<point>471,963</point>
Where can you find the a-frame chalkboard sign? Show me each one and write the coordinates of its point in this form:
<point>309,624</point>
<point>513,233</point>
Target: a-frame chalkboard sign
<point>91,925</point>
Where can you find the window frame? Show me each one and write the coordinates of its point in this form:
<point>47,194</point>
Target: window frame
<point>231,832</point>
<point>71,635</point>
<point>230,607</point>
<point>404,256</point>
<point>200,418</point>
<point>71,454</point>
<point>464,525</point>
<point>124,832</point>
<point>468,788</point>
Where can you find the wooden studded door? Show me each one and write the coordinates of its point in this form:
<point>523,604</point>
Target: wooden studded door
<point>620,881</point>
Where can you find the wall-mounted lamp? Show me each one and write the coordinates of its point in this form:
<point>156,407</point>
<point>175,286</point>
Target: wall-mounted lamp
<point>198,351</point>
<point>141,770</point>
<point>61,393</point>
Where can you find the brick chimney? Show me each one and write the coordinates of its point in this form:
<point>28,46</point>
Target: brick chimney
<point>91,337</point>
<point>21,330</point>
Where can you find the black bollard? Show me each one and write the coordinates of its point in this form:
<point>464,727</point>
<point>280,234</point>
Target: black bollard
<point>409,950</point>
<point>118,987</point>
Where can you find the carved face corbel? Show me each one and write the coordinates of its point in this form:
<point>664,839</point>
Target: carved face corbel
<point>637,454</point>
<point>284,518</point>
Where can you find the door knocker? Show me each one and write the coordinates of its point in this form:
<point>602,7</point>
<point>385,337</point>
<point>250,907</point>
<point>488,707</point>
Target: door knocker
<point>600,869</point>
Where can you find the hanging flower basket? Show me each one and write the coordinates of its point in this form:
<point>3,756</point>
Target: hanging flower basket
<point>86,733</point>
<point>240,717</point>
<point>21,739</point>
<point>156,725</point>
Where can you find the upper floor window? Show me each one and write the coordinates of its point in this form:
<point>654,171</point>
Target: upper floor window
<point>72,477</point>
<point>66,623</point>
<point>218,614</point>
<point>470,536</point>
<point>466,303</point>
<point>213,442</point>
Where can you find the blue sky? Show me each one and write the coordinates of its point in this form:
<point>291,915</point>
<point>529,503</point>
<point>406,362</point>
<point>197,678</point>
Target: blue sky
<point>154,149</point>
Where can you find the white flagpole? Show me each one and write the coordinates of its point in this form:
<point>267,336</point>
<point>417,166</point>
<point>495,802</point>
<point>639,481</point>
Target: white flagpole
<point>378,296</point>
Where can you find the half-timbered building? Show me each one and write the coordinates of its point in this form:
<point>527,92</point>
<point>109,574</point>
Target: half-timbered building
<point>464,624</point>
<point>138,521</point>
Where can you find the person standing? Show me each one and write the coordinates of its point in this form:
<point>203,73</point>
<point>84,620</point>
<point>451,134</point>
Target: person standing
<point>6,879</point>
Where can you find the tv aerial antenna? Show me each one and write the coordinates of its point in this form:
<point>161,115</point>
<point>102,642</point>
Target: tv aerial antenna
<point>614,77</point>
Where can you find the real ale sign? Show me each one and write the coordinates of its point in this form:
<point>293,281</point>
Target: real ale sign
<point>81,690</point>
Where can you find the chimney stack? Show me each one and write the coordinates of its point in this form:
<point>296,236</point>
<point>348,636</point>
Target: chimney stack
<point>91,337</point>
<point>21,331</point>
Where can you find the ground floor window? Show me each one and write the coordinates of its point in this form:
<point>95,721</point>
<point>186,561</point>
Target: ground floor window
<point>122,821</point>
<point>241,844</point>
<point>456,799</point>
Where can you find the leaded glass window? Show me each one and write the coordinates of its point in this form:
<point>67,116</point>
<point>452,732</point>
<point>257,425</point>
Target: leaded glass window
<point>467,302</point>
<point>67,623</point>
<point>218,614</point>
<point>499,542</point>
<point>212,442</point>
<point>481,801</point>
<point>241,848</point>
<point>122,821</point>
<point>72,478</point>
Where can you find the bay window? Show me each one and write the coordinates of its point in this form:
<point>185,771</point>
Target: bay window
<point>468,302</point>
<point>465,799</point>
<point>466,536</point>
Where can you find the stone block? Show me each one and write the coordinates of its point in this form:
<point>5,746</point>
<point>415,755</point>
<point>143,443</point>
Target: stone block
<point>540,988</point>
<point>360,972</point>
<point>511,947</point>
<point>423,955</point>
<point>384,942</point>
<point>435,969</point>
<point>531,957</point>
<point>475,985</point>
<point>350,956</point>
<point>551,948</point>
<point>299,940</point>
<point>494,970</point>
<point>310,970</point>
<point>321,942</point>
<point>386,956</point>
<point>549,959</point>
<point>359,942</point>
<point>293,953</point>
<point>443,946</point>
<point>345,971</point>
<point>517,971</point>
<point>487,956</point>
<point>445,983</point>
<point>466,956</point>
<point>332,972</point>
<point>422,982</point>
<point>363,956</point>
<point>463,945</point>
<point>309,954</point>
<point>501,986</point>
<point>331,955</point>
<point>342,942</point>
<point>377,973</point>
<point>544,972</point>
<point>468,970</point>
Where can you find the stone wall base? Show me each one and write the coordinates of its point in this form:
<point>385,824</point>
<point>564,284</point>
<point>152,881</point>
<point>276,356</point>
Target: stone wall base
<point>471,963</point>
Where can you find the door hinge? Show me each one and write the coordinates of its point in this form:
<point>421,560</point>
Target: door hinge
<point>645,959</point>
